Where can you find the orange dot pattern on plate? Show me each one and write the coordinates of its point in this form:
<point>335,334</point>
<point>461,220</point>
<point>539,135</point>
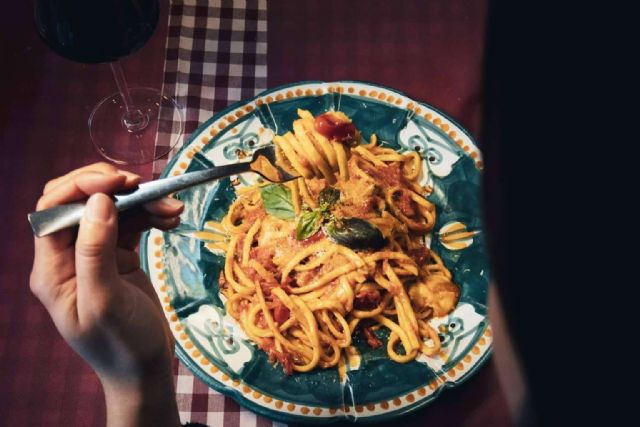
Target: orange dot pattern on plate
<point>190,153</point>
<point>279,97</point>
<point>445,127</point>
<point>267,399</point>
<point>309,92</point>
<point>460,367</point>
<point>195,353</point>
<point>235,383</point>
<point>157,254</point>
<point>467,358</point>
<point>428,116</point>
<point>213,132</point>
<point>173,318</point>
<point>422,391</point>
<point>332,411</point>
<point>268,99</point>
<point>230,119</point>
<point>318,91</point>
<point>362,92</point>
<point>178,328</point>
<point>346,408</point>
<point>257,395</point>
<point>188,345</point>
<point>204,139</point>
<point>437,121</point>
<point>330,89</point>
<point>162,276</point>
<point>451,373</point>
<point>259,102</point>
<point>410,106</point>
<point>239,113</point>
<point>289,94</point>
<point>225,377</point>
<point>234,131</point>
<point>304,410</point>
<point>391,98</point>
<point>279,404</point>
<point>166,299</point>
<point>397,402</point>
<point>398,101</point>
<point>291,407</point>
<point>245,389</point>
<point>359,408</point>
<point>248,108</point>
<point>433,385</point>
<point>410,398</point>
<point>373,93</point>
<point>299,92</point>
<point>164,288</point>
<point>371,406</point>
<point>474,155</point>
<point>157,240</point>
<point>222,125</point>
<point>453,134</point>
<point>350,90</point>
<point>213,369</point>
<point>176,173</point>
<point>487,332</point>
<point>317,411</point>
<point>384,404</point>
<point>204,361</point>
<point>168,308</point>
<point>382,96</point>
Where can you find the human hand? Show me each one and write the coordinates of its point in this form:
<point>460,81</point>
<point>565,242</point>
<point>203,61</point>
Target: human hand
<point>100,300</point>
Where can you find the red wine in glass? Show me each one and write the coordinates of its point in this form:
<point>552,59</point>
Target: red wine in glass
<point>123,126</point>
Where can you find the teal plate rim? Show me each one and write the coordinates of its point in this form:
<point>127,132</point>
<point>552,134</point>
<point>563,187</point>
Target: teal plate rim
<point>283,416</point>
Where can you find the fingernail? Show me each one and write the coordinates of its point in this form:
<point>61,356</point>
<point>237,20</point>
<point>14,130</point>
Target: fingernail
<point>172,203</point>
<point>97,210</point>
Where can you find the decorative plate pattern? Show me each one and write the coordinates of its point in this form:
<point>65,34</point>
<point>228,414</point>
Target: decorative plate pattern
<point>184,269</point>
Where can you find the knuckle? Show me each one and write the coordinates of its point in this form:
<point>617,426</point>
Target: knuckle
<point>36,284</point>
<point>89,249</point>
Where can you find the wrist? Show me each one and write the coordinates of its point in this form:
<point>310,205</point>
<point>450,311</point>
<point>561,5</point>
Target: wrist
<point>141,400</point>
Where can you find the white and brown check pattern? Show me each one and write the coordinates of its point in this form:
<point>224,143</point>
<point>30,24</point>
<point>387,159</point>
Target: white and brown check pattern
<point>216,54</point>
<point>198,403</point>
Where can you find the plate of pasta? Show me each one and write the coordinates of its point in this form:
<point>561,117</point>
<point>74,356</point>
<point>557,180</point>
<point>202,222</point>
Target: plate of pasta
<point>356,290</point>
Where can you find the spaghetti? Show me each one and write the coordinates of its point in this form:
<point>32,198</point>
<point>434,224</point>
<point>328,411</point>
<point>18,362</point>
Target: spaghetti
<point>301,293</point>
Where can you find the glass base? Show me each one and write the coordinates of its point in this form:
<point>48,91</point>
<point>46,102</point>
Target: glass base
<point>131,139</point>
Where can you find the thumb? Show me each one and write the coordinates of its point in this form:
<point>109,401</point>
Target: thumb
<point>96,264</point>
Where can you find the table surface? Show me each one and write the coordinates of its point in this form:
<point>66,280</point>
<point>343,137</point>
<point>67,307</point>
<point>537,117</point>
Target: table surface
<point>47,101</point>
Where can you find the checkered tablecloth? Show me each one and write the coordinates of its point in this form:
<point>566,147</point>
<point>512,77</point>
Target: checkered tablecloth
<point>216,54</point>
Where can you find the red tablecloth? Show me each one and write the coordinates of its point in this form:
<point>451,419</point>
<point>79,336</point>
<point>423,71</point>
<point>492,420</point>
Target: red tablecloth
<point>430,50</point>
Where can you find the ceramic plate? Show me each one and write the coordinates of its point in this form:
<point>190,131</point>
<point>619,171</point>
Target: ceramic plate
<point>185,271</point>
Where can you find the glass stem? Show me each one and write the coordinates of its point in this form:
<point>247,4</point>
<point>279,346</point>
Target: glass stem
<point>133,119</point>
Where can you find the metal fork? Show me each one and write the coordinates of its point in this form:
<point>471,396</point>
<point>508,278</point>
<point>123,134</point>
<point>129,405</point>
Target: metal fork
<point>54,219</point>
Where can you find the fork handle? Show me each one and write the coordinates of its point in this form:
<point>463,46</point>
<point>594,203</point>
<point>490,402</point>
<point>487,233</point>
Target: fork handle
<point>57,218</point>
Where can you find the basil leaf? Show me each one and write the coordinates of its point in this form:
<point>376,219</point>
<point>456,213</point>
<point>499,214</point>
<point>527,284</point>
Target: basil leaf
<point>329,196</point>
<point>308,224</point>
<point>277,201</point>
<point>355,233</point>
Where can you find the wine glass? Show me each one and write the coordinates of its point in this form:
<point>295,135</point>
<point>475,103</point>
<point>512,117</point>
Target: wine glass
<point>123,126</point>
